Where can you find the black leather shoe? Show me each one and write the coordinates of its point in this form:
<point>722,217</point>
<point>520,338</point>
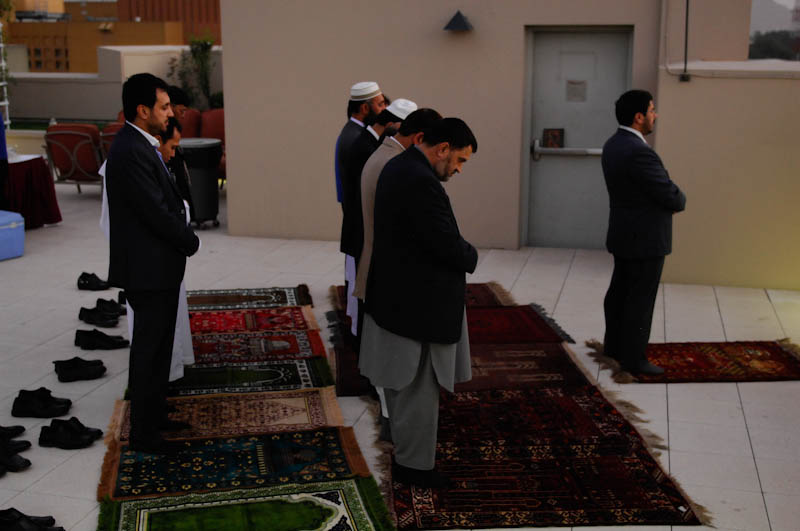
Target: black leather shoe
<point>111,307</point>
<point>173,425</point>
<point>431,479</point>
<point>39,404</point>
<point>644,367</point>
<point>11,461</point>
<point>79,369</point>
<point>26,524</point>
<point>91,282</point>
<point>77,426</point>
<point>159,447</point>
<point>98,318</point>
<point>9,432</point>
<point>15,446</point>
<point>97,340</point>
<point>62,435</point>
<point>9,516</point>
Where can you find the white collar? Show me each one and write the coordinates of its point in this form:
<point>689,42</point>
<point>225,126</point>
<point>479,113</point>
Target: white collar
<point>371,130</point>
<point>634,131</point>
<point>150,138</point>
<point>359,122</point>
<point>396,142</point>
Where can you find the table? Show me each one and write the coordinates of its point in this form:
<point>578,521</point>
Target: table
<point>30,190</point>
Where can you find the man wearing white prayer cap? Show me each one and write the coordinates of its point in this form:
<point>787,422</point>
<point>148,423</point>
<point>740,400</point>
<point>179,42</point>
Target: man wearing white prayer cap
<point>366,102</point>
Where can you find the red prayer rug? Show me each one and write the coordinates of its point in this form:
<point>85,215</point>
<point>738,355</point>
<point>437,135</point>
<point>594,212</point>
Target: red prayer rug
<point>255,347</point>
<point>733,361</point>
<point>261,319</point>
<point>520,366</point>
<point>540,457</point>
<point>513,324</point>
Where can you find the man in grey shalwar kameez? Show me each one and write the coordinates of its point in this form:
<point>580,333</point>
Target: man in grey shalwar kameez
<point>415,335</point>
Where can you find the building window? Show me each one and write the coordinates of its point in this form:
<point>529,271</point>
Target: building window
<point>58,65</point>
<point>37,52</point>
<point>57,52</point>
<point>38,65</point>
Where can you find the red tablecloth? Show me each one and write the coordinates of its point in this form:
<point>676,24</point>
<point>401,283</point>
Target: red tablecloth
<point>31,192</point>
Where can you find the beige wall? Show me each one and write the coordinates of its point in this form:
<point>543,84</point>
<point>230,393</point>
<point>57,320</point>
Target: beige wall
<point>719,30</point>
<point>283,115</point>
<point>731,144</point>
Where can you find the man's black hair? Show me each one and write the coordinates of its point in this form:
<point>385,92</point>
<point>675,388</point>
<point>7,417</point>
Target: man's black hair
<point>630,103</point>
<point>354,107</point>
<point>454,131</point>
<point>172,125</point>
<point>419,121</point>
<point>140,89</point>
<point>177,96</point>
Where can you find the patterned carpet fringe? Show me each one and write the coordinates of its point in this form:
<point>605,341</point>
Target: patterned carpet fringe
<point>617,373</point>
<point>790,347</point>
<point>503,295</point>
<point>384,464</point>
<point>333,298</point>
<point>543,314</point>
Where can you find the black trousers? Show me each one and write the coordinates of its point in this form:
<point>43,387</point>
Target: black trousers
<point>154,316</point>
<point>629,308</point>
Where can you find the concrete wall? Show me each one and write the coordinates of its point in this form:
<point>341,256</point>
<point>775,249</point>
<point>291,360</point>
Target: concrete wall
<point>730,142</point>
<point>94,96</point>
<point>283,116</point>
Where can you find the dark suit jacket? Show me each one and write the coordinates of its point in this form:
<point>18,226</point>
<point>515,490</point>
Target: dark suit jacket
<point>642,198</point>
<point>347,136</point>
<point>149,238</point>
<point>352,238</point>
<point>417,275</point>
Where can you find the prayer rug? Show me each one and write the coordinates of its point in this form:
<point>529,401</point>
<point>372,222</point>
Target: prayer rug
<point>278,375</point>
<point>261,319</point>
<point>540,457</point>
<point>225,463</point>
<point>225,415</point>
<point>240,299</point>
<point>254,347</point>
<point>513,324</point>
<point>344,505</point>
<point>344,358</point>
<point>524,365</point>
<point>734,361</point>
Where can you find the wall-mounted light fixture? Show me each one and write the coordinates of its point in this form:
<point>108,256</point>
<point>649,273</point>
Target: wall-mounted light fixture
<point>458,23</point>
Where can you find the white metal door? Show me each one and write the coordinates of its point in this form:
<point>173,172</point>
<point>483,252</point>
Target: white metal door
<point>577,77</point>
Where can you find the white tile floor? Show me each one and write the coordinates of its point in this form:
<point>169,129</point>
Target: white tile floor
<point>735,448</point>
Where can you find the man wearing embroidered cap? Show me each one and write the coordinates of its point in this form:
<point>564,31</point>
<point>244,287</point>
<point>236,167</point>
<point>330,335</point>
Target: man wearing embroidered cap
<point>352,238</point>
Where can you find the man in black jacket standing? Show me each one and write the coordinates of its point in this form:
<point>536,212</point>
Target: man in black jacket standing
<point>149,242</point>
<point>415,333</point>
<point>642,199</point>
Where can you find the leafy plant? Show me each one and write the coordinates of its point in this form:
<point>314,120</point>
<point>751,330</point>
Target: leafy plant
<point>192,72</point>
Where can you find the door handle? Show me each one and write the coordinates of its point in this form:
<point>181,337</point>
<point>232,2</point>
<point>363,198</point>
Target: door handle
<point>537,151</point>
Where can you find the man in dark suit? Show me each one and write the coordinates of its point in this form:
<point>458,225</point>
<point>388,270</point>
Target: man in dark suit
<point>149,242</point>
<point>642,199</point>
<point>415,332</point>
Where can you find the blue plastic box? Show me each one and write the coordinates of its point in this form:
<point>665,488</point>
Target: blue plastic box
<point>12,235</point>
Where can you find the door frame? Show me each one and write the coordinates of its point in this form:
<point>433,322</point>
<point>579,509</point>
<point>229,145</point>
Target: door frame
<point>527,102</point>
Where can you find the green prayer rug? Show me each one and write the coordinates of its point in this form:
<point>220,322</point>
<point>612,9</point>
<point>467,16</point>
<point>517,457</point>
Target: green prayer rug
<point>225,463</point>
<point>278,375</point>
<point>345,505</point>
<point>241,299</point>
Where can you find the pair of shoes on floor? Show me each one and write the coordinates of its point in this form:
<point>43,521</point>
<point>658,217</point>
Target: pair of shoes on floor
<point>14,520</point>
<point>7,435</point>
<point>68,434</point>
<point>432,479</point>
<point>97,317</point>
<point>39,404</point>
<point>79,369</point>
<point>97,340</point>
<point>91,282</point>
<point>110,306</point>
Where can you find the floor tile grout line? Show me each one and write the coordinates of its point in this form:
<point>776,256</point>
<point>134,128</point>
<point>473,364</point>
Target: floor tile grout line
<point>521,269</point>
<point>564,282</point>
<point>719,311</point>
<point>664,308</point>
<point>753,453</point>
<point>669,447</point>
<point>775,311</point>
